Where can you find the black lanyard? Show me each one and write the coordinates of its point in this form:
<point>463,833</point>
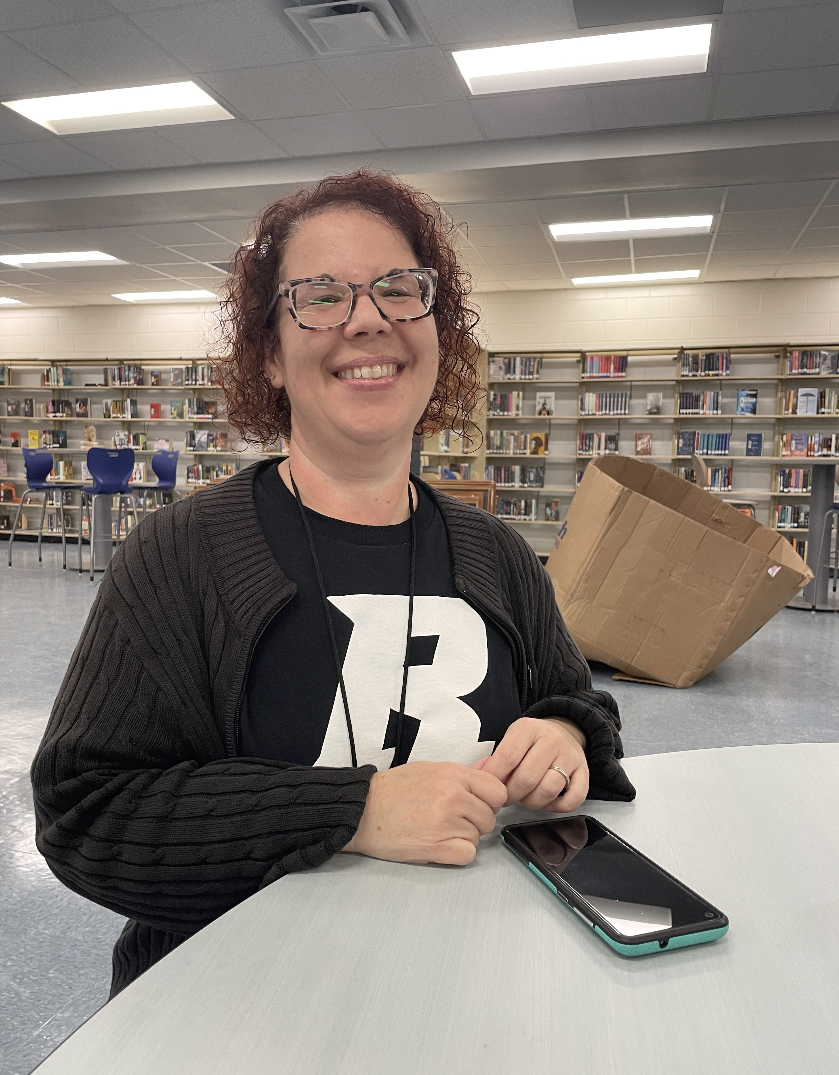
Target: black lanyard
<point>327,612</point>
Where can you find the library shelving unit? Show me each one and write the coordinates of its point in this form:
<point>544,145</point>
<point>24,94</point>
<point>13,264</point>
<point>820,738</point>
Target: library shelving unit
<point>176,407</point>
<point>776,483</point>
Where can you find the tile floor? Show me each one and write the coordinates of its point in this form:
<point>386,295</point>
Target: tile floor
<point>781,687</point>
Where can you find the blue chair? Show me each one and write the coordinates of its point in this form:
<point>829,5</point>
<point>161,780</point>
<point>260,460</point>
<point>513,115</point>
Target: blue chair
<point>165,466</point>
<point>38,466</point>
<point>111,470</point>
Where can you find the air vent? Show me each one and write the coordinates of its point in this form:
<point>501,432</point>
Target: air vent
<point>339,28</point>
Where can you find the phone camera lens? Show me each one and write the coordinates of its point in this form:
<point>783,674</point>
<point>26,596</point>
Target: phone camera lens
<point>664,943</point>
<point>709,914</point>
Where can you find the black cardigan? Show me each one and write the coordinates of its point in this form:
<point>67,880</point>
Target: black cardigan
<point>142,803</point>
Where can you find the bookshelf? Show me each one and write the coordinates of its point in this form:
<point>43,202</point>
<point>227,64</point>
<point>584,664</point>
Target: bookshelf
<point>181,411</point>
<point>771,481</point>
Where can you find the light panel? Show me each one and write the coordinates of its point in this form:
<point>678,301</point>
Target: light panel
<point>647,228</point>
<point>123,109</point>
<point>167,296</point>
<point>573,61</point>
<point>636,277</point>
<point>62,260</point>
<point>6,301</point>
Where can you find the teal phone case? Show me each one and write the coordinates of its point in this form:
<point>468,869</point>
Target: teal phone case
<point>649,948</point>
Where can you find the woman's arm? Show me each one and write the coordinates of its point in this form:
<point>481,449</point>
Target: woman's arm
<point>139,812</point>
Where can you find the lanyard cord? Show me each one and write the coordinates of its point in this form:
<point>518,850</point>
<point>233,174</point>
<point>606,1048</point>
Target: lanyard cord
<point>327,612</point>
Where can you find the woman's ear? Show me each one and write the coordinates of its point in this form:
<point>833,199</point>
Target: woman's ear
<point>273,370</point>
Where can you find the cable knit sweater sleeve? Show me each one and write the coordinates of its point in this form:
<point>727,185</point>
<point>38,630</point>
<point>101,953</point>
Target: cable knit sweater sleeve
<point>139,806</point>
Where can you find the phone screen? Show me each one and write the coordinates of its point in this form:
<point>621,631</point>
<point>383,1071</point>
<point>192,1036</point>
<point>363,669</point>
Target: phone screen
<point>633,895</point>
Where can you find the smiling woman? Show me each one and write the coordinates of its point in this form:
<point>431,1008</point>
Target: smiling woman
<point>323,655</point>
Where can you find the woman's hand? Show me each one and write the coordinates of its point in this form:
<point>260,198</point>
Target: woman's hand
<point>428,811</point>
<point>524,758</point>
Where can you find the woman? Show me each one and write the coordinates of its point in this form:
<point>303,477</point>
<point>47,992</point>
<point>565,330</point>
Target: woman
<point>319,655</point>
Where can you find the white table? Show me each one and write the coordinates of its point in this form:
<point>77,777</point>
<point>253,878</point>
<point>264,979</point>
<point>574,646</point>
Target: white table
<point>365,967</point>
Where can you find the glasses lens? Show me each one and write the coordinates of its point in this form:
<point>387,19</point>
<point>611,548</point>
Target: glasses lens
<point>321,303</point>
<point>405,294</point>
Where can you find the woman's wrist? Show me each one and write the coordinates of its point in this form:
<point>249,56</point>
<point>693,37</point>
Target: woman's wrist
<point>573,729</point>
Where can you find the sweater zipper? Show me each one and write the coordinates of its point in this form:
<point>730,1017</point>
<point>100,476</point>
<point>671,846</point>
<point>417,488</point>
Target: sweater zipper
<point>524,676</point>
<point>234,746</point>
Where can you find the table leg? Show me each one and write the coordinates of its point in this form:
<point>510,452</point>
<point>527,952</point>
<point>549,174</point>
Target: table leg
<point>104,548</point>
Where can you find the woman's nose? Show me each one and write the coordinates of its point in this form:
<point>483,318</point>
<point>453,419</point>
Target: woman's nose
<point>366,317</point>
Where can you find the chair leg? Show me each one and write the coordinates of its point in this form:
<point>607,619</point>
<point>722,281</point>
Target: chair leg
<point>63,530</point>
<point>91,526</point>
<point>81,521</point>
<point>23,497</point>
<point>41,527</point>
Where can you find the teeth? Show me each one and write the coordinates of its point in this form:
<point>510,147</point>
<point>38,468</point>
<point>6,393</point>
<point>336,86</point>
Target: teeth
<point>369,373</point>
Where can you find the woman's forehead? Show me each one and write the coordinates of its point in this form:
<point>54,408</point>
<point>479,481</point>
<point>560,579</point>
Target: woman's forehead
<point>348,244</point>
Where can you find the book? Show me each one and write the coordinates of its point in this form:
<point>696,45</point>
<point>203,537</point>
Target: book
<point>496,368</point>
<point>552,511</point>
<point>177,374</point>
<point>4,375</point>
<point>176,407</point>
<point>106,408</point>
<point>747,401</point>
<point>754,444</point>
<point>201,440</point>
<point>643,444</point>
<point>829,363</point>
<point>82,407</point>
<point>808,401</point>
<point>12,408</point>
<point>154,410</point>
<point>14,439</point>
<point>121,439</point>
<point>4,468</point>
<point>538,444</point>
<point>655,401</point>
<point>162,445</point>
<point>156,380</point>
<point>28,408</point>
<point>138,474</point>
<point>686,442</point>
<point>798,444</point>
<point>545,402</point>
<point>33,439</point>
<point>89,436</point>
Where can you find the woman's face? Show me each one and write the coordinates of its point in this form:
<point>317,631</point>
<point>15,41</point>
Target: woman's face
<point>329,405</point>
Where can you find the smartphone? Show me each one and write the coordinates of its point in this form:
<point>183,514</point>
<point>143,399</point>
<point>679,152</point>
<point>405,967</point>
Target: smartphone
<point>631,903</point>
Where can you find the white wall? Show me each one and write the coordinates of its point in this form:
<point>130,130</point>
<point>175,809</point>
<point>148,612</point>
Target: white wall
<point>752,311</point>
<point>742,312</point>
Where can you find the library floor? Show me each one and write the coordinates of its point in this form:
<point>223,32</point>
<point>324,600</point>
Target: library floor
<point>781,687</point>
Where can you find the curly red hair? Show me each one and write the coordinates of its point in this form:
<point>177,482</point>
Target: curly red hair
<point>255,408</point>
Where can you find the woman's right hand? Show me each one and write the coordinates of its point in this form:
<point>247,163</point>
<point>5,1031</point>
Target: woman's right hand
<point>428,811</point>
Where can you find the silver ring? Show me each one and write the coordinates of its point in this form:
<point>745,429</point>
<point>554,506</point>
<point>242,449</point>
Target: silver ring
<point>567,779</point>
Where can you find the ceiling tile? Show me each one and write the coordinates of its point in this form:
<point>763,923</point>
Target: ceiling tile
<point>476,22</point>
<point>172,234</point>
<point>516,255</point>
<point>152,255</point>
<point>21,73</point>
<point>488,214</point>
<point>131,149</point>
<point>149,5</point>
<point>775,93</point>
<point>651,102</point>
<point>303,136</point>
<point>50,158</point>
<point>544,112</point>
<point>676,244</point>
<point>757,240</point>
<point>227,140</point>
<point>802,255</point>
<point>235,231</point>
<point>794,36</point>
<point>100,51</point>
<point>827,217</point>
<point>289,89</point>
<point>765,218</point>
<point>595,251</point>
<point>776,196</point>
<point>505,235</point>
<point>748,257</point>
<point>650,203</point>
<point>220,36</point>
<point>597,268</point>
<point>207,251</point>
<point>593,207</point>
<point>535,271</point>
<point>91,274</point>
<point>16,128</point>
<point>8,171</point>
<point>391,79</point>
<point>813,237</point>
<point>21,14</point>
<point>671,263</point>
<point>424,125</point>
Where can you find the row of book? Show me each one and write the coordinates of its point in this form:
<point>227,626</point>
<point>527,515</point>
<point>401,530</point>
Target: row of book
<point>202,473</point>
<point>794,480</point>
<point>706,364</point>
<point>516,476</point>
<point>719,478</point>
<point>799,544</point>
<point>793,516</point>
<point>515,367</point>
<point>811,401</point>
<point>451,472</point>
<point>606,403</point>
<point>516,442</point>
<point>690,442</point>
<point>811,445</point>
<point>604,366</point>
<point>802,363</point>
<point>205,440</point>
<point>506,404</point>
<point>597,444</point>
<point>521,508</point>
<point>700,403</point>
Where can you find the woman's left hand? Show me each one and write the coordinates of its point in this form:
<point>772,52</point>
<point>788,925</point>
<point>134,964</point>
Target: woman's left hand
<point>524,761</point>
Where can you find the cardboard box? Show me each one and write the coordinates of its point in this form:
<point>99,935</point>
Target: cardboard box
<point>662,580</point>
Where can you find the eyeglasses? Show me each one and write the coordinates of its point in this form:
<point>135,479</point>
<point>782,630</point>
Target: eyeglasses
<point>320,302</point>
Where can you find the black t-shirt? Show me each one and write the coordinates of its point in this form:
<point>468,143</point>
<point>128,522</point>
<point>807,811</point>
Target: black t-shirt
<point>461,694</point>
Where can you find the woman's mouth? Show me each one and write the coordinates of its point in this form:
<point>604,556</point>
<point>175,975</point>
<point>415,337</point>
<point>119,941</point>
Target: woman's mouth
<point>369,373</point>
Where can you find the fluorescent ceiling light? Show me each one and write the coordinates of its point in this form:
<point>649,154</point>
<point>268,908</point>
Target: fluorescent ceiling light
<point>651,227</point>
<point>5,301</point>
<point>571,61</point>
<point>637,277</point>
<point>167,296</point>
<point>117,110</point>
<point>62,260</point>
